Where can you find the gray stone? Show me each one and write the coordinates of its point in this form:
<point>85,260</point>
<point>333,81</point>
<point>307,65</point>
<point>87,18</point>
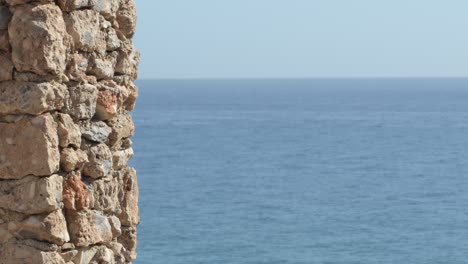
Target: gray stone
<point>82,103</point>
<point>96,132</point>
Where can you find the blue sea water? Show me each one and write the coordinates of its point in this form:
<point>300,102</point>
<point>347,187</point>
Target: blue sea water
<point>303,171</point>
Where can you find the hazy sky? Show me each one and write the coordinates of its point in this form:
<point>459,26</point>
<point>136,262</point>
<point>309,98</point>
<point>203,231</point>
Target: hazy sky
<point>302,38</point>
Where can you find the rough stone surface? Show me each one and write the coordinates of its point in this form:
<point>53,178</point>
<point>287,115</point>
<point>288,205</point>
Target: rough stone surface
<point>76,195</point>
<point>69,133</point>
<point>82,102</point>
<point>38,38</point>
<point>99,161</point>
<point>96,131</point>
<point>122,127</point>
<point>88,228</point>
<point>49,227</point>
<point>84,27</point>
<point>71,159</point>
<point>31,98</point>
<point>16,252</point>
<point>67,72</point>
<point>29,147</point>
<point>31,194</point>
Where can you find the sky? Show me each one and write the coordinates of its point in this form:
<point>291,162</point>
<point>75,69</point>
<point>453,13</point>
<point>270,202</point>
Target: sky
<point>186,39</point>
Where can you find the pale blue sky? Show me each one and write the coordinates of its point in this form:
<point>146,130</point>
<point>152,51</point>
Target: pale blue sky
<point>302,38</point>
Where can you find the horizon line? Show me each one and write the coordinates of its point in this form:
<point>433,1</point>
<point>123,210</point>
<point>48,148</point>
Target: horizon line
<point>304,78</point>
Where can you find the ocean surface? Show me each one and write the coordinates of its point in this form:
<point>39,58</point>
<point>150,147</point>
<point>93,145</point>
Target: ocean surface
<point>303,171</point>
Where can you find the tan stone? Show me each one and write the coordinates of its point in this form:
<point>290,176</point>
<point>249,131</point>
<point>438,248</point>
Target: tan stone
<point>122,127</point>
<point>15,253</point>
<point>32,195</point>
<point>107,8</point>
<point>132,94</point>
<point>5,235</point>
<point>120,158</point>
<point>76,69</point>
<point>127,60</point>
<point>71,159</point>
<point>106,107</point>
<point>82,102</point>
<point>88,228</point>
<point>112,40</point>
<point>99,161</point>
<point>94,254</point>
<point>129,241</point>
<point>70,5</point>
<point>76,195</point>
<point>126,18</point>
<point>38,39</point>
<point>29,147</point>
<point>129,199</point>
<point>6,67</point>
<point>116,225</point>
<point>106,193</point>
<point>103,67</point>
<point>31,98</point>
<point>69,133</point>
<point>84,27</point>
<point>49,227</point>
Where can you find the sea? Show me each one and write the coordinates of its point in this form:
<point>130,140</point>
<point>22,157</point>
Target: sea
<point>302,171</point>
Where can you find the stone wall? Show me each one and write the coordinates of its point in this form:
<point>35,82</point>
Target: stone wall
<point>66,88</point>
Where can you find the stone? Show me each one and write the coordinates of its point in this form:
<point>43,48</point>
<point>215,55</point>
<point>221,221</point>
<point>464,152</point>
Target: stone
<point>127,60</point>
<point>38,38</point>
<point>29,147</point>
<point>107,8</point>
<point>95,254</point>
<point>129,198</point>
<point>22,254</point>
<point>96,131</point>
<point>6,67</point>
<point>84,27</point>
<point>120,158</point>
<point>22,2</point>
<point>106,106</point>
<point>49,227</point>
<point>71,159</point>
<point>5,235</point>
<point>76,69</point>
<point>40,245</point>
<point>102,67</point>
<point>106,193</point>
<point>99,161</point>
<point>82,102</point>
<point>129,241</point>
<point>4,41</point>
<point>122,127</point>
<point>88,228</point>
<point>115,225</point>
<point>5,16</point>
<point>70,5</point>
<point>32,195</point>
<point>132,94</point>
<point>76,195</point>
<point>68,132</point>
<point>126,18</point>
<point>31,98</point>
<point>112,40</point>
